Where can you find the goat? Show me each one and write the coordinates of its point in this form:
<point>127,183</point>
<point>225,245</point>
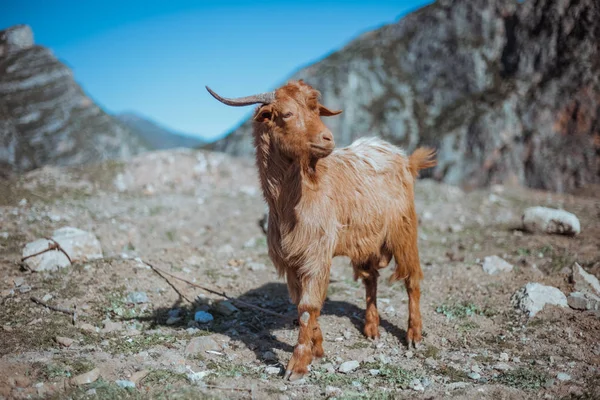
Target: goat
<point>324,202</point>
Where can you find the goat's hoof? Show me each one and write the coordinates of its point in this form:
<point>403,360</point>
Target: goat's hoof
<point>371,331</point>
<point>293,376</point>
<point>414,337</point>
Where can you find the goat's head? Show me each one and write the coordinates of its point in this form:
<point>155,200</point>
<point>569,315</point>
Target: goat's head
<point>291,115</point>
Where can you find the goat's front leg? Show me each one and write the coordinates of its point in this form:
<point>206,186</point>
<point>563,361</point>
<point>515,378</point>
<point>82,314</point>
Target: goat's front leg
<point>310,337</point>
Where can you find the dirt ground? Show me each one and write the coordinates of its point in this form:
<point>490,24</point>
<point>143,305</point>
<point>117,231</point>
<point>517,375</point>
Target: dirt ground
<point>195,214</point>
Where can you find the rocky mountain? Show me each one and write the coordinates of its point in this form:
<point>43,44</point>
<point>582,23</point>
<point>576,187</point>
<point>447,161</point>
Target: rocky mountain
<point>507,91</point>
<point>154,135</point>
<point>45,117</point>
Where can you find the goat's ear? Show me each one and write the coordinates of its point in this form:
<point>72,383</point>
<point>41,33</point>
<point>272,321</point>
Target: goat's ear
<point>326,112</point>
<point>264,113</point>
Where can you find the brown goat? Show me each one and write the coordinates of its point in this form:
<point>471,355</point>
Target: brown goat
<point>357,201</point>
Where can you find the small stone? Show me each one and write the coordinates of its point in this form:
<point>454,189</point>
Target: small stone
<point>203,317</point>
<point>516,360</point>
<point>269,356</point>
<point>563,377</point>
<point>430,362</point>
<point>374,372</point>
<point>426,382</point>
<point>332,391</point>
<point>137,297</point>
<point>256,266</point>
<point>88,328</point>
<point>348,366</point>
<point>47,297</point>
<point>225,308</point>
<point>64,341</point>
<point>549,383</point>
<point>474,375</point>
<point>91,392</point>
<point>139,375</point>
<point>173,320</point>
<point>347,335</point>
<point>550,220</point>
<point>532,297</point>
<point>273,370</point>
<point>24,289</point>
<point>503,357</point>
<point>584,281</point>
<point>416,385</point>
<point>125,384</point>
<point>494,265</point>
<point>384,359</point>
<point>501,367</point>
<point>476,368</point>
<point>329,368</point>
<point>409,354</point>
<point>583,301</point>
<point>457,385</point>
<point>110,326</point>
<point>88,377</point>
<point>200,345</point>
<point>18,281</point>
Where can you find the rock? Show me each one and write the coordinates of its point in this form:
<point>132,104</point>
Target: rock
<point>430,362</point>
<point>457,385</point>
<point>110,326</point>
<point>24,289</point>
<point>494,265</point>
<point>200,345</point>
<point>125,384</point>
<point>138,376</point>
<point>476,368</point>
<point>532,297</point>
<point>409,354</point>
<point>88,328</point>
<point>203,317</point>
<point>584,281</point>
<point>225,308</point>
<point>503,357</point>
<point>88,377</point>
<point>52,260</point>
<point>173,320</point>
<point>18,281</point>
<point>474,375</point>
<point>272,370</point>
<point>550,220</point>
<point>332,391</point>
<point>64,341</point>
<point>374,372</point>
<point>328,367</point>
<point>501,366</point>
<point>416,385</point>
<point>16,38</point>
<point>137,297</point>
<point>78,244</point>
<point>583,301</point>
<point>269,356</point>
<point>561,376</point>
<point>348,366</point>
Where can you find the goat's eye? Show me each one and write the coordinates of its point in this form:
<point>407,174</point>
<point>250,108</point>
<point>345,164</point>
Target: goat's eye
<point>287,115</point>
<point>265,115</point>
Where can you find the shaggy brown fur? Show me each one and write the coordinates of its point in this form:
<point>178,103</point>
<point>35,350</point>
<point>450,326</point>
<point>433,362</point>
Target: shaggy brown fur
<point>357,201</point>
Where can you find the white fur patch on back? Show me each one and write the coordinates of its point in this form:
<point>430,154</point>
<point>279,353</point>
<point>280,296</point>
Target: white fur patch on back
<point>373,151</point>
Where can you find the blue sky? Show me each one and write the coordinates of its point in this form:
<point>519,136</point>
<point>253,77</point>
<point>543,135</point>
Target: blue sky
<point>154,57</point>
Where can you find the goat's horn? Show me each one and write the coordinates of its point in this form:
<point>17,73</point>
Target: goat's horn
<point>264,98</point>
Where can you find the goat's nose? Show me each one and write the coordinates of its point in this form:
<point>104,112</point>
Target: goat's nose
<point>327,137</point>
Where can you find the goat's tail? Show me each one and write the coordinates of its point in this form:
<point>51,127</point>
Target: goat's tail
<point>421,158</point>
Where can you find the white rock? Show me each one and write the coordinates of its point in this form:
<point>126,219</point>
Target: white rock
<point>125,384</point>
<point>272,370</point>
<point>563,377</point>
<point>332,391</point>
<point>550,220</point>
<point>532,297</point>
<point>79,245</point>
<point>225,308</point>
<point>584,281</point>
<point>416,385</point>
<point>503,357</point>
<point>88,377</point>
<point>348,366</point>
<point>374,372</point>
<point>52,260</point>
<point>200,345</point>
<point>494,265</point>
<point>474,375</point>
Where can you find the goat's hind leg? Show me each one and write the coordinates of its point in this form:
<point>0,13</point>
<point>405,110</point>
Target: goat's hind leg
<point>369,274</point>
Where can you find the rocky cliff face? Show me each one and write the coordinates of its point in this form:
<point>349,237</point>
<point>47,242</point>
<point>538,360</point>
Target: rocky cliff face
<point>507,92</point>
<point>45,117</point>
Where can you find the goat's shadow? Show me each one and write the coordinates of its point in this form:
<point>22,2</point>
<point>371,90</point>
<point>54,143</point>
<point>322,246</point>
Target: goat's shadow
<point>253,328</point>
